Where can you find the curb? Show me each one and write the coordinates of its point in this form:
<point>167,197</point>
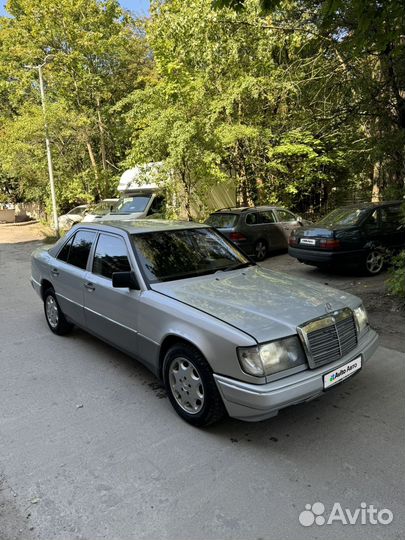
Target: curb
<point>20,224</point>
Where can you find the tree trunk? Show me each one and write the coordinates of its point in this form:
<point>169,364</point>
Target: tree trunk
<point>102,137</point>
<point>94,165</point>
<point>375,194</point>
<point>187,190</point>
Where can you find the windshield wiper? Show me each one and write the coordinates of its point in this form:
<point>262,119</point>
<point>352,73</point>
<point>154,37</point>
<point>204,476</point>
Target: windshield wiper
<point>236,266</point>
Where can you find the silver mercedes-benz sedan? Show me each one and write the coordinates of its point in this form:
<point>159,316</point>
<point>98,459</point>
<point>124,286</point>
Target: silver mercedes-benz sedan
<point>223,334</point>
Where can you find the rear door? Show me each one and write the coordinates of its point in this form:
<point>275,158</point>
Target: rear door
<point>111,313</point>
<point>392,228</point>
<point>271,230</point>
<point>371,229</point>
<point>68,275</point>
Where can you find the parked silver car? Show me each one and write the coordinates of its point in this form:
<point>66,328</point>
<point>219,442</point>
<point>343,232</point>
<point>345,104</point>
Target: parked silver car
<point>224,334</point>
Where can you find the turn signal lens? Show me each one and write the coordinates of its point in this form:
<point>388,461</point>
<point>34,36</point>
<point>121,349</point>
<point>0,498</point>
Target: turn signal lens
<point>293,241</point>
<point>326,243</point>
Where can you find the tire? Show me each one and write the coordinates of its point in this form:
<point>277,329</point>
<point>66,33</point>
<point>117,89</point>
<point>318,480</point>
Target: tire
<point>374,262</point>
<point>54,316</point>
<point>260,250</point>
<point>191,387</point>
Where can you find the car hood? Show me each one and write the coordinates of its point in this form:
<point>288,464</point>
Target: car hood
<point>262,303</point>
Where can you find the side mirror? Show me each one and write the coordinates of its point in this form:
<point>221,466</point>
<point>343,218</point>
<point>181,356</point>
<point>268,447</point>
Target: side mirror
<point>125,280</point>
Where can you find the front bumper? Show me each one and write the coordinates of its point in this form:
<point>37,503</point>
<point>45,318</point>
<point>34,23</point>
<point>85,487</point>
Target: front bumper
<point>252,402</point>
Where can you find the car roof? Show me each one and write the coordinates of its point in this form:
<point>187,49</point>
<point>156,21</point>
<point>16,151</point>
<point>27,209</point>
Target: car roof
<point>242,209</point>
<point>138,226</point>
<point>366,205</point>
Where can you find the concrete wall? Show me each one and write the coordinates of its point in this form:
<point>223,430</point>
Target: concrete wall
<point>21,212</point>
<point>7,215</point>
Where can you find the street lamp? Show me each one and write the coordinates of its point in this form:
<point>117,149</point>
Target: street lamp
<point>47,141</point>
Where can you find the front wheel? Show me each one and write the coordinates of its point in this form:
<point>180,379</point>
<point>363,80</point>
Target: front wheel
<point>374,262</point>
<point>191,387</point>
<point>54,316</point>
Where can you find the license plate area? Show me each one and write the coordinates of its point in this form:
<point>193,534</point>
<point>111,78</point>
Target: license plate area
<point>308,241</point>
<point>342,373</point>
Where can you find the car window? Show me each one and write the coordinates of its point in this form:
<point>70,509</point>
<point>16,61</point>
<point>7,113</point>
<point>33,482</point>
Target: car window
<point>267,217</point>
<point>391,216</point>
<point>344,216</point>
<point>64,252</point>
<point>372,219</point>
<point>221,220</point>
<point>179,254</point>
<point>286,216</point>
<point>134,203</point>
<point>252,218</point>
<point>111,255</point>
<point>80,248</point>
<point>157,205</point>
<point>78,210</point>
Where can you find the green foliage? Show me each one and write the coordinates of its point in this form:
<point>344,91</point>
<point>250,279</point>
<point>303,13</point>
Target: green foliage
<point>97,54</point>
<point>298,102</point>
<point>396,281</point>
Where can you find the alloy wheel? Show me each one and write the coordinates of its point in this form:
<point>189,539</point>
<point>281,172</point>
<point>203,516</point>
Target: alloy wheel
<point>186,385</point>
<point>52,311</point>
<point>374,262</point>
<point>260,250</point>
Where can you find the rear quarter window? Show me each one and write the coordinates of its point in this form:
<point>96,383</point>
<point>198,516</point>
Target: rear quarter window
<point>76,250</point>
<point>224,221</point>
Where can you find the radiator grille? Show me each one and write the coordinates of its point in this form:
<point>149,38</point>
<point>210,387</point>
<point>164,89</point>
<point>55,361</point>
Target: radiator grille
<point>330,338</point>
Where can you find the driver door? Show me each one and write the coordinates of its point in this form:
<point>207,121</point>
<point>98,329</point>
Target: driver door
<point>111,313</point>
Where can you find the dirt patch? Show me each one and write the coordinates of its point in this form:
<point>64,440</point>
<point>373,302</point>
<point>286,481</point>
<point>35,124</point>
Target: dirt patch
<point>14,234</point>
<point>13,525</point>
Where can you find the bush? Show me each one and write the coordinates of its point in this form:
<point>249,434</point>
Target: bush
<point>396,281</point>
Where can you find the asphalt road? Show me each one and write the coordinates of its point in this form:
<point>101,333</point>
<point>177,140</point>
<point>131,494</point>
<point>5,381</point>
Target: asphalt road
<point>90,447</point>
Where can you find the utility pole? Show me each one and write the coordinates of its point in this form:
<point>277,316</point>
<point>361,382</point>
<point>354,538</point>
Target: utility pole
<point>48,144</point>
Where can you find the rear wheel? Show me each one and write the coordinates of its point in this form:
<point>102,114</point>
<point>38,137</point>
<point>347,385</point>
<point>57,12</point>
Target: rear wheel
<point>54,316</point>
<point>191,387</point>
<point>374,262</point>
<point>260,250</point>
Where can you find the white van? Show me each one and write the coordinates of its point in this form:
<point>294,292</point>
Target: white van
<point>140,197</point>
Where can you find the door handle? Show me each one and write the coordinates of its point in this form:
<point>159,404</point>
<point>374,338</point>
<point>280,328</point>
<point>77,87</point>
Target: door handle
<point>55,272</point>
<point>89,286</point>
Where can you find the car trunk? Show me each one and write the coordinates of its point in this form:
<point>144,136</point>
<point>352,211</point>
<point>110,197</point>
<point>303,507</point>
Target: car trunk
<point>319,237</point>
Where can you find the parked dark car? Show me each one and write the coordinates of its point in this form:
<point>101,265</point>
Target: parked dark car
<point>360,235</point>
<point>257,231</point>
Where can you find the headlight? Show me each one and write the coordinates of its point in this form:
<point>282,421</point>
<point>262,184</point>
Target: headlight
<point>272,357</point>
<point>360,315</point>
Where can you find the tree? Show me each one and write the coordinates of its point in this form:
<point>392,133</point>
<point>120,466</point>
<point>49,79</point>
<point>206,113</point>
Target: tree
<point>98,56</point>
<point>236,96</point>
<point>368,39</point>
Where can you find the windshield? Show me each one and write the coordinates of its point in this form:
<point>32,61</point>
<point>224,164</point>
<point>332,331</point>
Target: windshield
<point>343,216</point>
<point>103,207</point>
<point>222,220</point>
<point>134,203</point>
<point>80,210</point>
<point>170,255</point>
